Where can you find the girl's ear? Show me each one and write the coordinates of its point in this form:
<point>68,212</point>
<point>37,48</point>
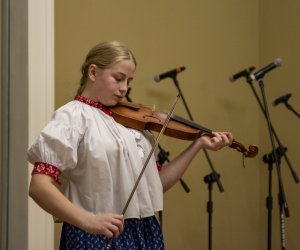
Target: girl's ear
<point>92,72</point>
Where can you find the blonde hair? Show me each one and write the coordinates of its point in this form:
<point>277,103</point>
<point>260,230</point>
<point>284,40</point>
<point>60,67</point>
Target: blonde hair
<point>104,55</point>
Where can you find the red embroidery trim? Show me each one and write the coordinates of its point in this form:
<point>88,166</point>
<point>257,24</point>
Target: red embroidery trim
<point>47,169</point>
<point>94,104</point>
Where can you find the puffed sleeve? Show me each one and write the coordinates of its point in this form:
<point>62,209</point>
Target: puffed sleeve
<point>55,148</point>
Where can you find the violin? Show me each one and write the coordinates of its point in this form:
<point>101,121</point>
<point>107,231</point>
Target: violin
<point>138,116</point>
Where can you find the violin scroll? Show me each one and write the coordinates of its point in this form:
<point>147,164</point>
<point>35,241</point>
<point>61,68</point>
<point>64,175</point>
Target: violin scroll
<point>250,153</point>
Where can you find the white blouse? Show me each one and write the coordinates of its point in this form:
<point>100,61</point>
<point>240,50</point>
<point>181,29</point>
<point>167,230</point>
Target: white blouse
<point>99,160</point>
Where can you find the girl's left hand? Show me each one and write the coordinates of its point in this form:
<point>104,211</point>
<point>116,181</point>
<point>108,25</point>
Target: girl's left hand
<point>216,141</point>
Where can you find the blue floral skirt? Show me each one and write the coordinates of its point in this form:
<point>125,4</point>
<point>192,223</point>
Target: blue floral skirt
<point>138,234</point>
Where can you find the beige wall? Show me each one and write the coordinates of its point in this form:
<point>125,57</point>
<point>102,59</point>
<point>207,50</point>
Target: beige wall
<point>212,40</point>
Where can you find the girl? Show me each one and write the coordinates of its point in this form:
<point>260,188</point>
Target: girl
<point>86,164</point>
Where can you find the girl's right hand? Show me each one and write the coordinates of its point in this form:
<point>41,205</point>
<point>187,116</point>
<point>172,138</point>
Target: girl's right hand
<point>109,225</point>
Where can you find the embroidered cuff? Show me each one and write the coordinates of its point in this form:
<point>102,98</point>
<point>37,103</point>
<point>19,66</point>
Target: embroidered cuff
<point>47,169</point>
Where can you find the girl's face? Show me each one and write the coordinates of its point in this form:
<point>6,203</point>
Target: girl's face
<point>110,85</point>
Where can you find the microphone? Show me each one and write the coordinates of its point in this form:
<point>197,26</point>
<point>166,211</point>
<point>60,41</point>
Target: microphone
<point>172,73</point>
<point>245,73</point>
<point>281,99</point>
<point>260,74</point>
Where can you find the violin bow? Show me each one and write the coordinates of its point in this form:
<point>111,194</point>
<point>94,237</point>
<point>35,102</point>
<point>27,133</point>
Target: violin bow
<point>109,244</point>
<point>150,154</point>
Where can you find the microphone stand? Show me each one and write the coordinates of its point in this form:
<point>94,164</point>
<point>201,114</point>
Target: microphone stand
<point>269,158</point>
<point>209,179</point>
<point>284,211</point>
<point>291,109</point>
<point>162,157</point>
<point>294,174</point>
